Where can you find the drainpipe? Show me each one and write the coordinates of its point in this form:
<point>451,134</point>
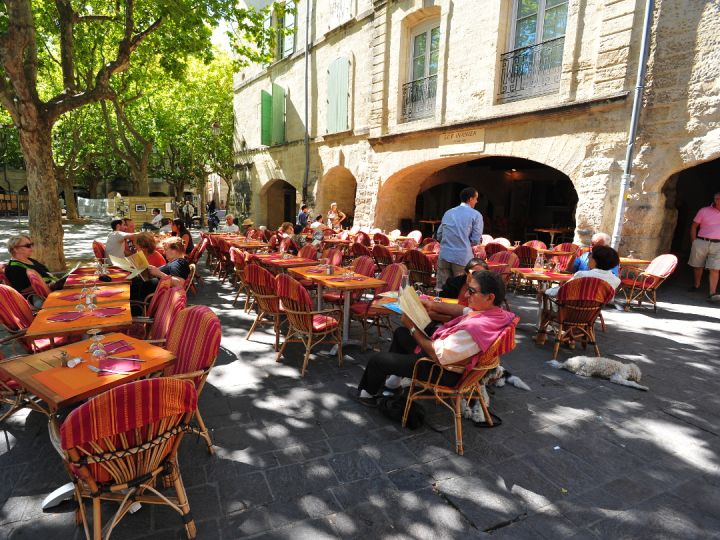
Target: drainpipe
<point>307,104</point>
<point>632,134</point>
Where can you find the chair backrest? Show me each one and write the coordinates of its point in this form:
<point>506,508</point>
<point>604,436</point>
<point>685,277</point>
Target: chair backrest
<point>566,246</point>
<point>262,285</point>
<point>126,417</point>
<point>38,286</point>
<point>526,255</point>
<point>502,241</point>
<point>198,250</point>
<point>15,312</point>
<point>392,276</point>
<point>486,239</point>
<point>98,249</point>
<point>492,248</point>
<point>662,265</point>
<point>420,267</point>
<point>308,251</point>
<point>360,250</point>
<point>194,338</point>
<point>536,244</point>
<point>506,257</point>
<point>364,265</point>
<point>382,255</point>
<point>296,301</point>
<point>479,251</point>
<point>381,239</point>
<point>273,242</point>
<point>333,256</point>
<point>415,235</point>
<point>3,277</point>
<point>433,246</point>
<point>190,278</point>
<point>169,306</point>
<point>490,358</point>
<point>363,238</point>
<point>163,287</point>
<point>237,257</point>
<point>394,233</point>
<point>564,262</point>
<point>580,300</point>
<point>409,243</point>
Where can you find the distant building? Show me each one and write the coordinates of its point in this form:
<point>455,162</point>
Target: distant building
<point>411,100</point>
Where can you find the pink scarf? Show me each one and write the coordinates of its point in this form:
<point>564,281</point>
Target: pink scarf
<point>483,326</point>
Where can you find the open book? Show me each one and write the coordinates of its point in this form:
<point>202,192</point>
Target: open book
<point>75,267</point>
<point>136,264</point>
<point>412,307</point>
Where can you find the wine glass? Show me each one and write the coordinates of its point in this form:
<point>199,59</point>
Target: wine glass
<point>96,347</point>
<point>517,243</point>
<point>631,254</point>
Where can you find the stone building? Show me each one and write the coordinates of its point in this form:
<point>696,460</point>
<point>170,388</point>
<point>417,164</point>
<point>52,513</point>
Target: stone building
<point>527,100</point>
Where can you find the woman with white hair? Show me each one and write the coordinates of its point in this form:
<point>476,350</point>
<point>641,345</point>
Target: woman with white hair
<point>335,217</point>
<point>20,248</point>
<point>582,263</point>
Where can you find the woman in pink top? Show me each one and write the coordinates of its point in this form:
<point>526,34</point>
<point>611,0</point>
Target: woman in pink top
<point>705,252</point>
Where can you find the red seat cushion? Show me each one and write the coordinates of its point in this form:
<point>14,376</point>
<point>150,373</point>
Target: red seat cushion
<point>334,297</point>
<point>358,308</point>
<point>323,322</point>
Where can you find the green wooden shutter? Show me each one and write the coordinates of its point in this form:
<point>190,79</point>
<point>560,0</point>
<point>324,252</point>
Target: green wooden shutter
<point>278,114</point>
<point>337,111</point>
<point>266,106</point>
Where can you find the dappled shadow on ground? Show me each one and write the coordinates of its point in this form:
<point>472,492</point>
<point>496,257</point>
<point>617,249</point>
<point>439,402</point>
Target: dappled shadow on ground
<point>295,457</point>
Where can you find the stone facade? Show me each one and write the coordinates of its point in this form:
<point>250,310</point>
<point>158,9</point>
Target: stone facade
<point>378,166</point>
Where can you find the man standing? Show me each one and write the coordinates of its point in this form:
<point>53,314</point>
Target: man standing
<point>461,227</point>
<point>302,218</point>
<point>188,211</point>
<point>705,252</point>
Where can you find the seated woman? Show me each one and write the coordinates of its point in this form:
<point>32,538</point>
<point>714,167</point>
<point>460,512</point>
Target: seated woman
<point>20,249</point>
<point>451,345</point>
<point>177,265</point>
<point>146,243</point>
<point>179,230</point>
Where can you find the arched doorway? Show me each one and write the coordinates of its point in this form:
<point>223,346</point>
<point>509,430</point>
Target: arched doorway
<point>685,193</point>
<point>516,195</point>
<point>280,201</point>
<point>337,185</point>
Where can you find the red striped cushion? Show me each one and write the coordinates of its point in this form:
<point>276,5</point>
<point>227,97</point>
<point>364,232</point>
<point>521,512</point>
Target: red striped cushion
<point>321,323</point>
<point>194,338</point>
<point>15,312</point>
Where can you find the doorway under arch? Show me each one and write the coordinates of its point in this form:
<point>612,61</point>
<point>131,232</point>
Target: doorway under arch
<point>516,195</point>
<point>685,193</point>
<point>280,201</point>
<point>337,185</point>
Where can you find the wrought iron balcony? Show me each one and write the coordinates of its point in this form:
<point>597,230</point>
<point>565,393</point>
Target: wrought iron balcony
<point>418,99</point>
<point>532,71</point>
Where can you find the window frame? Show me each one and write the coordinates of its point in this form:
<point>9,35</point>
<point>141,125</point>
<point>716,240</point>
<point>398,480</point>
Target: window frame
<point>281,25</point>
<point>539,25</point>
<point>425,27</point>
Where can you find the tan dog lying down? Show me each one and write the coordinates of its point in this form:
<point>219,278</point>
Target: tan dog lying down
<point>605,368</point>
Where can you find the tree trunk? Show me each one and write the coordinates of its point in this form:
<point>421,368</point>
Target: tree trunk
<point>45,216</point>
<point>71,210</point>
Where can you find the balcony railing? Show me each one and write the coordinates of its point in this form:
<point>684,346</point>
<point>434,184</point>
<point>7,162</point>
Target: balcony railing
<point>418,99</point>
<point>532,71</point>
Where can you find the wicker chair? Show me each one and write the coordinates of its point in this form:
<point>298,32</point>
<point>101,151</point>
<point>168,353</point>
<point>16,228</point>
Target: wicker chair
<point>189,285</point>
<point>492,248</point>
<point>3,277</point>
<point>262,286</point>
<point>536,244</point>
<point>573,312</point>
<point>119,444</point>
<point>360,250</point>
<point>367,312</point>
<point>38,288</point>
<point>503,242</point>
<point>195,355</point>
<point>564,262</point>
<point>381,239</point>
<point>365,266</point>
<point>421,270</point>
<point>468,387</point>
<point>308,251</point>
<point>333,256</point>
<point>15,396</point>
<point>486,239</point>
<point>638,285</point>
<point>527,255</point>
<point>383,256</point>
<point>415,235</point>
<point>305,325</point>
<point>363,238</point>
<point>15,317</point>
<point>479,252</point>
<point>505,257</point>
<point>168,307</point>
<point>239,260</point>
<point>99,249</point>
<point>198,250</point>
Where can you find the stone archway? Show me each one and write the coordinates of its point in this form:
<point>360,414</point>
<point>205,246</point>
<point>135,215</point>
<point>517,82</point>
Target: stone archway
<point>279,200</point>
<point>517,195</point>
<point>685,193</point>
<point>337,185</point>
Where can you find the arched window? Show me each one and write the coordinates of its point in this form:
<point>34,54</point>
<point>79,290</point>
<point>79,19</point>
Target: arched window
<point>418,100</point>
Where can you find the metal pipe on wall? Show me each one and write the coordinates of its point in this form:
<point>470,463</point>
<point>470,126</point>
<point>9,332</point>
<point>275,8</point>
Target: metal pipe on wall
<point>306,172</point>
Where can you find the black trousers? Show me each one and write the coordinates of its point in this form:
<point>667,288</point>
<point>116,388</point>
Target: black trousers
<point>399,360</point>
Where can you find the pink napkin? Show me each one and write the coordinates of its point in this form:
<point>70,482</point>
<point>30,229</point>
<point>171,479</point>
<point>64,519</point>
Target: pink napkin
<point>107,312</point>
<point>116,347</point>
<point>119,365</point>
<point>106,293</point>
<point>71,297</point>
<point>67,316</point>
<point>316,271</point>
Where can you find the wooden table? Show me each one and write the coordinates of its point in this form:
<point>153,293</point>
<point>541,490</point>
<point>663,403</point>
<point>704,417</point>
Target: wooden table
<point>247,245</point>
<point>544,278</point>
<point>42,374</point>
<point>342,279</point>
<point>631,261</point>
<point>278,262</point>
<point>42,327</point>
<point>552,232</point>
<point>86,276</point>
<point>431,222</point>
<point>69,299</point>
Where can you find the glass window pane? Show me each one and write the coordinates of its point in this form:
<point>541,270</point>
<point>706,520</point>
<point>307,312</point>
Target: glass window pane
<point>419,45</point>
<point>433,67</point>
<point>555,22</point>
<point>552,3</point>
<point>525,32</point>
<point>435,39</point>
<point>526,7</point>
<point>418,68</point>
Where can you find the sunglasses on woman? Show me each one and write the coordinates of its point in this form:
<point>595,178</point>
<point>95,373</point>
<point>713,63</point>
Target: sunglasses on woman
<point>26,245</point>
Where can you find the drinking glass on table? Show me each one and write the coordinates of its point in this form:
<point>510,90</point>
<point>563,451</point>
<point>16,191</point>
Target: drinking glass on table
<point>631,254</point>
<point>517,243</point>
<point>96,347</point>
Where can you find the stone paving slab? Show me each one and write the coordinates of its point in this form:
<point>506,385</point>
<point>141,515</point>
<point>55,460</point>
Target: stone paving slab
<point>295,458</point>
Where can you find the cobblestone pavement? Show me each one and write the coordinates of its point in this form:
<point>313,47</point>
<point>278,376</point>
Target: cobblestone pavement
<point>296,458</point>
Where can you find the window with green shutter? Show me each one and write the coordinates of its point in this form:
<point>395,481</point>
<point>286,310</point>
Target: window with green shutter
<point>266,106</point>
<point>278,115</point>
<point>337,102</point>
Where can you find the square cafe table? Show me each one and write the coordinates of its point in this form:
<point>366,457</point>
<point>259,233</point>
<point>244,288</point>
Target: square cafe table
<point>279,262</point>
<point>343,279</point>
<point>42,374</point>
<point>544,278</point>
<point>86,276</point>
<point>42,327</point>
<point>69,299</point>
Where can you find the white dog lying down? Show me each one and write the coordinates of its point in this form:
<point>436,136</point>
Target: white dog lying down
<point>605,368</point>
<point>498,377</point>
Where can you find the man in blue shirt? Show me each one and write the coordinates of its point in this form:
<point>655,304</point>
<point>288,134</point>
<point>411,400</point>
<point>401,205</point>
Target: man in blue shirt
<point>302,218</point>
<point>460,229</point>
<point>582,262</point>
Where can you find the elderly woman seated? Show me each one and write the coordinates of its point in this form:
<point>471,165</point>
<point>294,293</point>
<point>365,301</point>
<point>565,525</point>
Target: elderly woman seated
<point>452,345</point>
<point>20,249</point>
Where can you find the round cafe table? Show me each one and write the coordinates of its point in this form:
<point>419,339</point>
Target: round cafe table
<point>553,231</point>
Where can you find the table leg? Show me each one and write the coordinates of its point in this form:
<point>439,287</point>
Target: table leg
<point>346,315</point>
<point>319,296</point>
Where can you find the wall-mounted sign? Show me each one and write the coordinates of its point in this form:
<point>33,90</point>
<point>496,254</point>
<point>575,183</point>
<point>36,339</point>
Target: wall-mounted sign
<point>463,141</point>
